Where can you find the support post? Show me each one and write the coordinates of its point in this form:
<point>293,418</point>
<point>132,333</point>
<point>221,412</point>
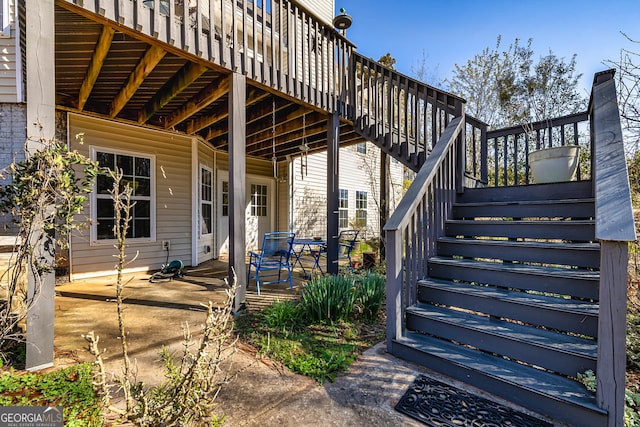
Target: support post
<point>237,186</point>
<point>40,68</point>
<point>384,199</point>
<point>612,330</point>
<point>333,144</point>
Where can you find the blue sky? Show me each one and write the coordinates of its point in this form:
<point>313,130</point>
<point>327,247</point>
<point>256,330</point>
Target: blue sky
<point>451,32</point>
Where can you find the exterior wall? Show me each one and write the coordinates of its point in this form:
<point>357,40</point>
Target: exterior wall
<point>8,58</point>
<point>13,135</point>
<point>322,9</point>
<point>173,197</point>
<point>357,172</point>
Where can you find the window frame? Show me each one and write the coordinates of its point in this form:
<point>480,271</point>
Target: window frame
<point>343,209</point>
<point>202,202</point>
<point>362,205</point>
<point>259,209</point>
<point>93,152</point>
<point>361,148</point>
<point>5,21</point>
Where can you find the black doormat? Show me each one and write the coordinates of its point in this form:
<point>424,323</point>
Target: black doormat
<point>437,404</point>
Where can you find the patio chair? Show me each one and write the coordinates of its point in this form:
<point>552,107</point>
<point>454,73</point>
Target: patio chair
<point>272,258</point>
<point>346,242</point>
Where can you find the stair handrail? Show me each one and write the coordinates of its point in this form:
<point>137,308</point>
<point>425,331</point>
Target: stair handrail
<point>614,211</point>
<point>417,222</point>
<point>614,229</point>
<point>403,116</point>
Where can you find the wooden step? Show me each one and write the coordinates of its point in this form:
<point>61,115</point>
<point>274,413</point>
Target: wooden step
<point>554,191</point>
<point>559,397</point>
<point>541,347</point>
<point>568,208</point>
<point>579,230</point>
<point>563,281</point>
<point>585,255</point>
<point>570,315</point>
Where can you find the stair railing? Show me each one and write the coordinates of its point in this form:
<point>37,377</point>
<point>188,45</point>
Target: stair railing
<point>402,116</point>
<point>418,221</point>
<point>614,229</point>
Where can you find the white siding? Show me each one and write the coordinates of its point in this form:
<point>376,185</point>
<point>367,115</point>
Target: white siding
<point>173,201</point>
<point>8,59</point>
<point>321,9</point>
<point>357,172</point>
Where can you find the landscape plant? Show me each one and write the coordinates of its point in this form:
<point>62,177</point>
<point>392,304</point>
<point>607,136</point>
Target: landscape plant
<point>316,337</point>
<point>193,379</point>
<point>70,387</point>
<point>43,194</point>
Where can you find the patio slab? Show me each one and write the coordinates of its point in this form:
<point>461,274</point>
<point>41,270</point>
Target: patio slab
<point>264,394</point>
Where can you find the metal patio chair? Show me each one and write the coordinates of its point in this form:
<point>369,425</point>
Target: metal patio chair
<point>346,242</point>
<point>274,257</point>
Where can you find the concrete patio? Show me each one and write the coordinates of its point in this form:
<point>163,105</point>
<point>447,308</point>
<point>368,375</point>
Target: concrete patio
<point>263,394</point>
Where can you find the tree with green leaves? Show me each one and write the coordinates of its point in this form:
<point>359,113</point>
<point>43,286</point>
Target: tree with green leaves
<point>507,87</point>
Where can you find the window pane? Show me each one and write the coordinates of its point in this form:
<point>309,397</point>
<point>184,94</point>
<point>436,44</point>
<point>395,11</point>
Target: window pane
<point>207,218</point>
<point>104,184</point>
<point>142,208</point>
<point>225,198</point>
<point>141,228</point>
<point>143,167</point>
<point>142,187</point>
<point>106,160</point>
<point>104,208</point>
<point>125,163</point>
<point>105,228</point>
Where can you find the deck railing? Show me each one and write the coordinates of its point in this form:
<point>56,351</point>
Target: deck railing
<point>404,116</point>
<point>418,221</point>
<point>276,43</point>
<point>614,229</point>
<point>501,157</point>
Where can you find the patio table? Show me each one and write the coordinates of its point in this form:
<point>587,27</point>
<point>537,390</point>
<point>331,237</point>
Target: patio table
<point>308,244</point>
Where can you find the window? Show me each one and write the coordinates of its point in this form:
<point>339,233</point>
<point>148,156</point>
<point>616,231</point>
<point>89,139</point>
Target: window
<point>137,172</point>
<point>258,200</point>
<point>361,208</point>
<point>361,148</point>
<point>225,198</point>
<point>343,208</point>
<point>5,29</point>
<point>206,200</point>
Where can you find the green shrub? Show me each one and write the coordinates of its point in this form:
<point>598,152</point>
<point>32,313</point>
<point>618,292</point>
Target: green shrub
<point>370,293</point>
<point>72,388</point>
<point>328,298</point>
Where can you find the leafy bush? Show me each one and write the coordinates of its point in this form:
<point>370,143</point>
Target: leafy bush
<point>328,298</point>
<point>370,293</point>
<point>72,388</point>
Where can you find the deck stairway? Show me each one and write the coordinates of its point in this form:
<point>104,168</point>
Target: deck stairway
<point>510,304</point>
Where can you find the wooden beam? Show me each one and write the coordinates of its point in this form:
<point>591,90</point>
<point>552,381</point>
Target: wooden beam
<point>97,60</point>
<point>210,120</point>
<point>179,82</point>
<point>210,94</point>
<point>146,65</point>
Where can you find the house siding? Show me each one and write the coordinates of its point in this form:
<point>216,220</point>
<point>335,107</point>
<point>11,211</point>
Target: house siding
<point>321,9</point>
<point>357,172</point>
<point>173,200</point>
<point>8,61</point>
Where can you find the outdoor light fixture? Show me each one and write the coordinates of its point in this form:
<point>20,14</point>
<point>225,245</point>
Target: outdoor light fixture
<point>342,21</point>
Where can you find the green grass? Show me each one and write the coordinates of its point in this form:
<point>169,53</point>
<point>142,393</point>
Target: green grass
<point>320,335</point>
<point>71,388</point>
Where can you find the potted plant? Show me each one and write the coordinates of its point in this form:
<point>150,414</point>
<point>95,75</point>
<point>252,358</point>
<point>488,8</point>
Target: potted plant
<point>531,94</point>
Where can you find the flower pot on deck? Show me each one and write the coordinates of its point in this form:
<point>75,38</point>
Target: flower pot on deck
<point>555,164</point>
